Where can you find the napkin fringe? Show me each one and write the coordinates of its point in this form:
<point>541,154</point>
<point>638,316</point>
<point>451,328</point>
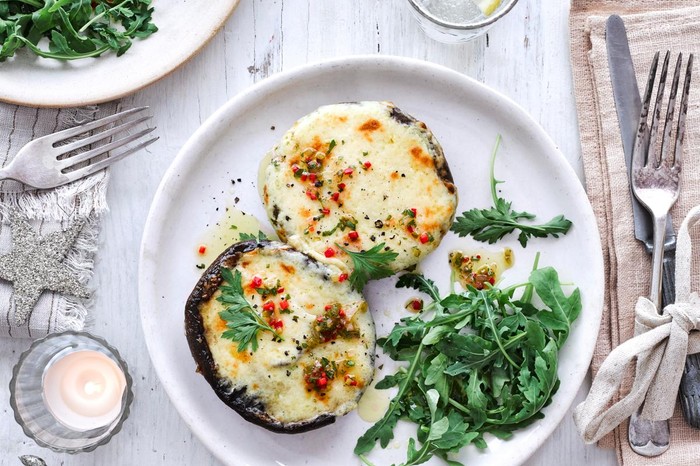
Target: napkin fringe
<point>81,262</point>
<point>78,199</point>
<point>74,316</point>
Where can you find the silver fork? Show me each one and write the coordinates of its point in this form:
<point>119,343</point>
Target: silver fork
<point>47,162</point>
<point>656,183</point>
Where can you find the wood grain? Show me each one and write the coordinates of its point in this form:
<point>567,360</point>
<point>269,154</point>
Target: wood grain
<point>525,56</point>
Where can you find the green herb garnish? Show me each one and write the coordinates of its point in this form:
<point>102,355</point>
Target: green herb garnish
<point>251,237</point>
<point>331,145</point>
<point>459,385</point>
<point>343,223</point>
<point>409,213</point>
<point>490,225</point>
<point>74,28</point>
<point>369,265</point>
<point>267,291</point>
<point>243,322</point>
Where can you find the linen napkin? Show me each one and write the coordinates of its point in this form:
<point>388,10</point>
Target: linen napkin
<point>49,211</point>
<point>670,25</point>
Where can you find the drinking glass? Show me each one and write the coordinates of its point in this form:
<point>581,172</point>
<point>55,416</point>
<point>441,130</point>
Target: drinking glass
<point>454,21</point>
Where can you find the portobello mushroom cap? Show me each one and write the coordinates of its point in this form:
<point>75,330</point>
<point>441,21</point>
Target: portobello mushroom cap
<point>326,328</point>
<point>358,175</point>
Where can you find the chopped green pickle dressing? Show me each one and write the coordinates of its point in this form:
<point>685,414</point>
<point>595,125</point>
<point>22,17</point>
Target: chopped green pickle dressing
<point>476,268</point>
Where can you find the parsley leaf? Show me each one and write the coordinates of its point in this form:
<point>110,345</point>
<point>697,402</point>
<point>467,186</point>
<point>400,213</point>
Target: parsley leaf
<point>251,237</point>
<point>492,224</point>
<point>494,379</point>
<point>242,322</point>
<point>369,265</point>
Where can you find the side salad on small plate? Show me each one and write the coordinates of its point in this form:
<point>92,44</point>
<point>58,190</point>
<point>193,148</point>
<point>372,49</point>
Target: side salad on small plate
<point>66,53</point>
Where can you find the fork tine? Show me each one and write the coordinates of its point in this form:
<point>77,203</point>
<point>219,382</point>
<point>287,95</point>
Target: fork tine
<point>680,133</point>
<point>95,167</point>
<point>99,136</point>
<point>639,154</point>
<point>653,130</point>
<point>85,127</point>
<point>670,112</point>
<point>65,164</point>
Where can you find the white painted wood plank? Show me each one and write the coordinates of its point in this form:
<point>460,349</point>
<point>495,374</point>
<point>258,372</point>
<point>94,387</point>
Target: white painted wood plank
<point>525,57</point>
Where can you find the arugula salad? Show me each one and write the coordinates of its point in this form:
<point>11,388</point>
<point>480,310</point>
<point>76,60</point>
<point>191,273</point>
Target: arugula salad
<point>482,361</point>
<point>73,29</point>
<point>479,361</point>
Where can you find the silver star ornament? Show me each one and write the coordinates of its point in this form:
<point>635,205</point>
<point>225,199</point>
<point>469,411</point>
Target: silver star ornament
<point>36,264</point>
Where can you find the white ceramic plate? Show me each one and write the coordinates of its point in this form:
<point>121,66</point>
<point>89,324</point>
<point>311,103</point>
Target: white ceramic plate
<point>184,26</point>
<point>465,117</point>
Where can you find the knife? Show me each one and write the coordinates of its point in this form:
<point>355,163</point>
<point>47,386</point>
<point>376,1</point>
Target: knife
<point>628,105</point>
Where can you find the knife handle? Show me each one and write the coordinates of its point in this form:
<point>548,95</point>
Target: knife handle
<point>689,392</point>
<point>668,279</point>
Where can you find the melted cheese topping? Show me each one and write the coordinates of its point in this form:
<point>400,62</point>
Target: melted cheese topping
<point>351,174</point>
<point>274,374</point>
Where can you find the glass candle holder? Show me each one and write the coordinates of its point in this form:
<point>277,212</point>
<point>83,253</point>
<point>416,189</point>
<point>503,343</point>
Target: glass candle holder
<point>71,392</point>
<point>454,21</point>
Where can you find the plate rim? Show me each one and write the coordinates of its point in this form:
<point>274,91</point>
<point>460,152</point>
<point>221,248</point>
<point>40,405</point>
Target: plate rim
<point>204,132</point>
<point>140,84</point>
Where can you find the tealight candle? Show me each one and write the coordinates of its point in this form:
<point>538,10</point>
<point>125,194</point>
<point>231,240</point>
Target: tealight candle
<point>83,390</point>
<point>71,391</point>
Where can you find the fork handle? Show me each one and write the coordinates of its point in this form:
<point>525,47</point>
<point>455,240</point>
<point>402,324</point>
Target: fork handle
<point>6,173</point>
<point>657,259</point>
<point>652,438</point>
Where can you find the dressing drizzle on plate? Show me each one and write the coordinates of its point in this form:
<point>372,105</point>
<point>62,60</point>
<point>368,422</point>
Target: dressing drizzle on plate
<point>478,267</point>
<point>224,233</point>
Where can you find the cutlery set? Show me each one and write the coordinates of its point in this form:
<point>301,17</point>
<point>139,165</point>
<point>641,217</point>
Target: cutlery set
<point>654,171</point>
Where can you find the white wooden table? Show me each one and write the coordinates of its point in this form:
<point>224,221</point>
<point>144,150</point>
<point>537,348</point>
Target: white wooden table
<point>525,56</point>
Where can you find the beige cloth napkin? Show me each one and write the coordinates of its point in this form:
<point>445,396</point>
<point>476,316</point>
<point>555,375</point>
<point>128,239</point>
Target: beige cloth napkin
<point>651,25</point>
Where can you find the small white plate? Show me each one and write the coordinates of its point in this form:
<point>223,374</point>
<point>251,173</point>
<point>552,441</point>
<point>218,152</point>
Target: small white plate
<point>466,117</point>
<point>184,27</point>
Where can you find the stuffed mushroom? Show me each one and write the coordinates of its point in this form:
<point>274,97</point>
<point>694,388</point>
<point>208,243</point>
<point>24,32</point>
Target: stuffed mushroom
<point>311,354</point>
